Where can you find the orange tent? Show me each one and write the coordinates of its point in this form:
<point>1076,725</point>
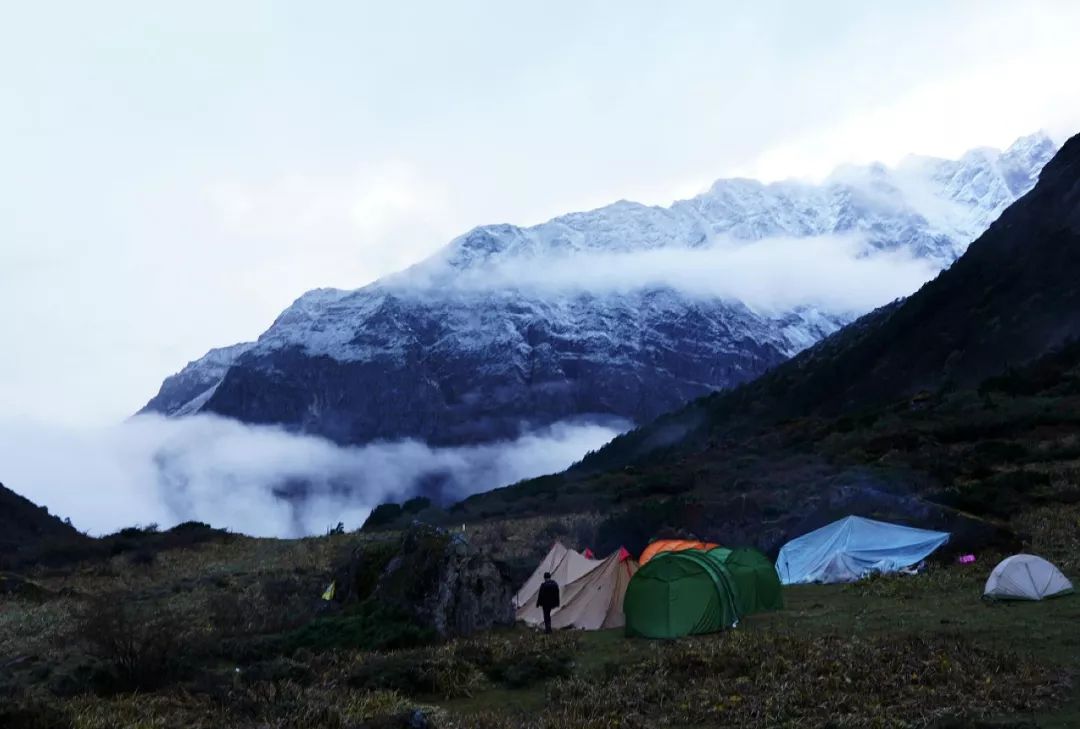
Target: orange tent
<point>672,545</point>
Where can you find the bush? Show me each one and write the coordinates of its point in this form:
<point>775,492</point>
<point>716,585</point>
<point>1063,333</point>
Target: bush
<point>521,661</point>
<point>27,714</point>
<point>142,650</point>
<point>276,670</point>
<point>634,527</point>
<point>440,673</point>
<point>143,558</point>
<point>369,626</point>
<point>367,565</point>
<point>416,505</point>
<point>382,515</point>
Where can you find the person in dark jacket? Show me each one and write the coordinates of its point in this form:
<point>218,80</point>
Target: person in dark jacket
<point>548,599</point>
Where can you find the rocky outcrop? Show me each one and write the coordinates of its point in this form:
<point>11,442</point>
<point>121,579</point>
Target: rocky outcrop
<point>436,577</point>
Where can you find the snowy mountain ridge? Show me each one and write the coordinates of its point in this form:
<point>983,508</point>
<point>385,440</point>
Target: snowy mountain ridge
<point>419,354</point>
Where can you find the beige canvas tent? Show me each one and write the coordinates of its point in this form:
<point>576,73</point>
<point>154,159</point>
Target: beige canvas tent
<point>565,566</point>
<point>594,601</point>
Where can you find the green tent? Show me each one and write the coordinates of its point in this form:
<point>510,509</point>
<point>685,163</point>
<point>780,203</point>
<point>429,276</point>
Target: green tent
<point>757,586</point>
<point>690,592</point>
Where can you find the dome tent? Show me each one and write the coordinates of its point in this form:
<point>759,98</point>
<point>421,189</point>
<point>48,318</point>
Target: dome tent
<point>853,547</point>
<point>693,591</point>
<point>756,582</point>
<point>1026,577</point>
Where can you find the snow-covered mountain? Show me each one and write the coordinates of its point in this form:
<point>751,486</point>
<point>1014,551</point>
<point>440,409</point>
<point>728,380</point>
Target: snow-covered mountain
<point>453,350</point>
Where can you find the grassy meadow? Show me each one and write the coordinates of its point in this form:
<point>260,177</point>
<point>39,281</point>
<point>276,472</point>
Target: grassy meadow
<point>230,632</point>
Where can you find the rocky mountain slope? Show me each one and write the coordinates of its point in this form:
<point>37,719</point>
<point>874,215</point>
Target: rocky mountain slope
<point>24,526</point>
<point>955,409</point>
<point>456,350</point>
<point>1013,297</point>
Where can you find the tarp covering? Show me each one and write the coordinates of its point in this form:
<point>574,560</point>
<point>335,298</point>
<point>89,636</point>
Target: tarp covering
<point>593,601</point>
<point>1026,577</point>
<point>852,548</point>
<point>672,545</point>
<point>565,566</point>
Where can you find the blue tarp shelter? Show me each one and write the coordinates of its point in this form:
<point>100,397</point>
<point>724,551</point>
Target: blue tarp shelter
<point>852,548</point>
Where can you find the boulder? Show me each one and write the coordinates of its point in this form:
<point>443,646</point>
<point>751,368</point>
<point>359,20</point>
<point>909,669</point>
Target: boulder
<point>435,576</point>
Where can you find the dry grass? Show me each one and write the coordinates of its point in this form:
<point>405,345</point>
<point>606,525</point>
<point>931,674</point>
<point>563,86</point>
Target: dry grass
<point>935,650</point>
<point>1055,534</point>
<point>746,678</point>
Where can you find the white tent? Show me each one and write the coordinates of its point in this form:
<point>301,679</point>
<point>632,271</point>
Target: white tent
<point>852,548</point>
<point>594,601</point>
<point>1026,577</point>
<point>565,566</point>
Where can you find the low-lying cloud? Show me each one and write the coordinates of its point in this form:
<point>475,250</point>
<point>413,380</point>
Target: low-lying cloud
<point>255,479</point>
<point>836,273</point>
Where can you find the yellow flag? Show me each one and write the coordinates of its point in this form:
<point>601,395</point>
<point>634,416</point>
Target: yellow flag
<point>329,594</point>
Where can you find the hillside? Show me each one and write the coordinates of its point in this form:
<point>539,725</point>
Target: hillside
<point>1013,297</point>
<point>24,526</point>
<point>508,328</point>
<point>961,397</point>
<point>230,632</point>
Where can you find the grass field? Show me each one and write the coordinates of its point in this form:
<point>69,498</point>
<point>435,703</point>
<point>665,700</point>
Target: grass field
<point>200,642</point>
<point>943,609</point>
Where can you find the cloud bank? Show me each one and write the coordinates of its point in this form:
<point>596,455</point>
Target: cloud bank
<point>836,273</point>
<point>258,480</point>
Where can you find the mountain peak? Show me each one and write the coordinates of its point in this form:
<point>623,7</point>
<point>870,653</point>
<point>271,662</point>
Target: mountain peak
<point>457,349</point>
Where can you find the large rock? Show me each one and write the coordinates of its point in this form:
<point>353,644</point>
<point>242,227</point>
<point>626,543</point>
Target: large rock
<point>437,577</point>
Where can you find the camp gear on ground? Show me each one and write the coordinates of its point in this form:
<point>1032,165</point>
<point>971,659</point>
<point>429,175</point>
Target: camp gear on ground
<point>688,592</point>
<point>965,559</point>
<point>672,545</point>
<point>1026,577</point>
<point>565,566</point>
<point>853,547</point>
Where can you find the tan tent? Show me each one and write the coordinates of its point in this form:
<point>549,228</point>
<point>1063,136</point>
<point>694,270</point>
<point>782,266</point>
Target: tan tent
<point>594,601</point>
<point>565,566</point>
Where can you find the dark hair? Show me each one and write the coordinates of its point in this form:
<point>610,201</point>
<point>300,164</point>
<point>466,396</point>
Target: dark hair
<point>547,575</point>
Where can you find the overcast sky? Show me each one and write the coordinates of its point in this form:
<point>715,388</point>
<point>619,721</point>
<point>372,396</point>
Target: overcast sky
<point>173,175</point>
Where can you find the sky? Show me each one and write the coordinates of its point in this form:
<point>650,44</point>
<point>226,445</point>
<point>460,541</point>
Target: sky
<point>174,175</point>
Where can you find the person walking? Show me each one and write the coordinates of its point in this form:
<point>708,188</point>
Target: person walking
<point>548,599</point>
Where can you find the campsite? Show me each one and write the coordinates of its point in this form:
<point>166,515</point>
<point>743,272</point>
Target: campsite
<point>575,365</point>
<point>245,647</point>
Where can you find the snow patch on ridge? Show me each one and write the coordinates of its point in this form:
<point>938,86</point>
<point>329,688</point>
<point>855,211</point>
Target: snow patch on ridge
<point>485,290</point>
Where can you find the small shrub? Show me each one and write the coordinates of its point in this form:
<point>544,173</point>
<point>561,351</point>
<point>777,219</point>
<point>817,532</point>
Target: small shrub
<point>142,650</point>
<point>31,714</point>
<point>382,515</point>
<point>440,673</point>
<point>278,669</point>
<point>521,661</point>
<point>143,558</point>
<point>416,505</point>
<point>370,626</point>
